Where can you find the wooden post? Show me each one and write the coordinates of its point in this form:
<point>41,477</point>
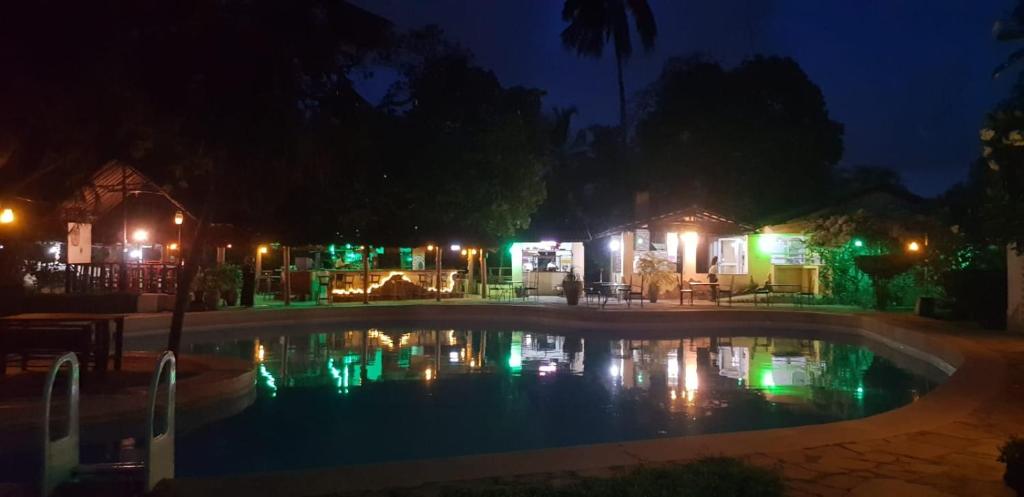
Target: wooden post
<point>286,275</point>
<point>470,280</point>
<point>221,255</point>
<point>123,273</point>
<point>366,274</point>
<point>437,268</point>
<point>483,273</point>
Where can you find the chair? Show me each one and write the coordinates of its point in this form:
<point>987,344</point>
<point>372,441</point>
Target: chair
<point>591,291</point>
<point>324,280</point>
<point>765,290</point>
<point>726,290</point>
<point>633,291</point>
<point>684,290</point>
<point>531,285</point>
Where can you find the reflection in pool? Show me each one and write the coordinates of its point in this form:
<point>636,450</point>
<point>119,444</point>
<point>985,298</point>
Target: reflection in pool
<point>369,396</point>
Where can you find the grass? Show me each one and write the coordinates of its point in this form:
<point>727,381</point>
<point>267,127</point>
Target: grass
<point>709,477</point>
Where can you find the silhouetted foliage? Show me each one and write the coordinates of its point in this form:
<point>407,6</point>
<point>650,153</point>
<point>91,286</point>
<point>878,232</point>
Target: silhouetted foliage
<point>748,141</point>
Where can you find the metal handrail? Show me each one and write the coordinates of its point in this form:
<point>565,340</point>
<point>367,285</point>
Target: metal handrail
<point>160,447</point>
<point>60,457</point>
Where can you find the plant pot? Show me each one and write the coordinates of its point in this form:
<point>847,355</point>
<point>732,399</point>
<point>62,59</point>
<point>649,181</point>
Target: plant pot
<point>231,297</point>
<point>652,293</point>
<point>1014,476</point>
<point>572,292</point>
<point>211,299</point>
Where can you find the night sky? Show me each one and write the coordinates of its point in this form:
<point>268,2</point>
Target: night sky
<point>910,79</point>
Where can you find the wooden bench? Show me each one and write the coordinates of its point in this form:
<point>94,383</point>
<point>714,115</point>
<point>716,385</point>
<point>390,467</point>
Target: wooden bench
<point>49,335</point>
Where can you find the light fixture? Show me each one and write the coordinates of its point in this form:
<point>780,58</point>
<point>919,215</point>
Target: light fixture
<point>456,247</point>
<point>263,249</point>
<point>136,254</point>
<point>229,245</point>
<point>913,247</point>
<point>430,248</point>
<point>689,237</point>
<point>140,235</point>
<point>173,246</point>
<point>464,252</point>
<point>179,218</point>
<point>472,251</point>
<point>614,245</point>
<point>857,242</point>
<point>7,216</point>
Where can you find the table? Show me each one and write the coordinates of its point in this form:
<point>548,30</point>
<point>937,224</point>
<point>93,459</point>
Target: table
<point>711,286</point>
<point>607,289</point>
<point>90,323</point>
<point>778,288</point>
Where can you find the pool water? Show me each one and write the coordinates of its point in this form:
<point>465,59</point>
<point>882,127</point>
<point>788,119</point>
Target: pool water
<point>365,396</point>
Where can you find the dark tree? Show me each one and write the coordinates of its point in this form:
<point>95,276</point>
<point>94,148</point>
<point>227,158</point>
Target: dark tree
<point>594,23</point>
<point>749,141</point>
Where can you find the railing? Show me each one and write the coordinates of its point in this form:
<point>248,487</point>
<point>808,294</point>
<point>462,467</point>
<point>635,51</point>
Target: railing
<point>146,277</point>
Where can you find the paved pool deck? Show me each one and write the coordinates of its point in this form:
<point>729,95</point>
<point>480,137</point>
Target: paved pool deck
<point>944,444</point>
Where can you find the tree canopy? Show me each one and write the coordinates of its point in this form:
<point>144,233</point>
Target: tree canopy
<point>747,141</point>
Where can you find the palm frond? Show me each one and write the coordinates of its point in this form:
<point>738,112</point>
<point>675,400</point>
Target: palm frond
<point>643,17</point>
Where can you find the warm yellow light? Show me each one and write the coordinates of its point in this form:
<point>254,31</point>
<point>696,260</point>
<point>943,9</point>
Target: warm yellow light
<point>430,248</point>
<point>262,353</point>
<point>913,246</point>
<point>140,235</point>
<point>179,217</point>
<point>173,246</point>
<point>7,216</point>
<point>689,237</point>
<point>229,245</point>
<point>472,251</point>
<point>464,252</point>
<point>429,374</point>
<point>263,249</point>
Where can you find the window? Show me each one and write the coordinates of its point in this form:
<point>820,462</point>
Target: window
<point>786,249</point>
<point>731,253</point>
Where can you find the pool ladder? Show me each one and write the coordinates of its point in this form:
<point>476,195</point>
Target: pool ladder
<point>61,456</point>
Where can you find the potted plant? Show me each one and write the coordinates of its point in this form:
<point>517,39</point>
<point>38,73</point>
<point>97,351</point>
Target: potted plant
<point>572,286</point>
<point>657,272</point>
<point>229,277</point>
<point>1012,454</point>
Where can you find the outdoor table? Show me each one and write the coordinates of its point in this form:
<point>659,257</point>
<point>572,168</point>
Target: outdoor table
<point>711,286</point>
<point>779,288</point>
<point>91,323</point>
<point>607,289</point>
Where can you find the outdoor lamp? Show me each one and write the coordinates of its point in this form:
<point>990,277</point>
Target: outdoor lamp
<point>229,245</point>
<point>173,246</point>
<point>472,251</point>
<point>613,245</point>
<point>7,216</point>
<point>464,252</point>
<point>179,217</point>
<point>689,237</point>
<point>913,247</point>
<point>857,242</point>
<point>263,249</point>
<point>430,248</point>
<point>456,247</point>
<point>140,235</point>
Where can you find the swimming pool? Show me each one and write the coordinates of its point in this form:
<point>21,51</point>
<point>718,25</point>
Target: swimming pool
<point>375,395</point>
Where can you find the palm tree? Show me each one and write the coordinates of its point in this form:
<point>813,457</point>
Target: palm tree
<point>593,23</point>
<point>1010,30</point>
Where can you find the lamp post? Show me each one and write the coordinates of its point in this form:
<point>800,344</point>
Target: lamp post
<point>179,219</point>
<point>7,215</point>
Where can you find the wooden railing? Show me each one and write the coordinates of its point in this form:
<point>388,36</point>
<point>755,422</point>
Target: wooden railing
<point>147,277</point>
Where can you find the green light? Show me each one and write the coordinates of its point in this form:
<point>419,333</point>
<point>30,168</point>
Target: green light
<point>857,242</point>
<point>767,243</point>
<point>348,246</point>
<point>515,358</point>
<point>269,380</point>
<point>330,248</point>
<point>767,380</point>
